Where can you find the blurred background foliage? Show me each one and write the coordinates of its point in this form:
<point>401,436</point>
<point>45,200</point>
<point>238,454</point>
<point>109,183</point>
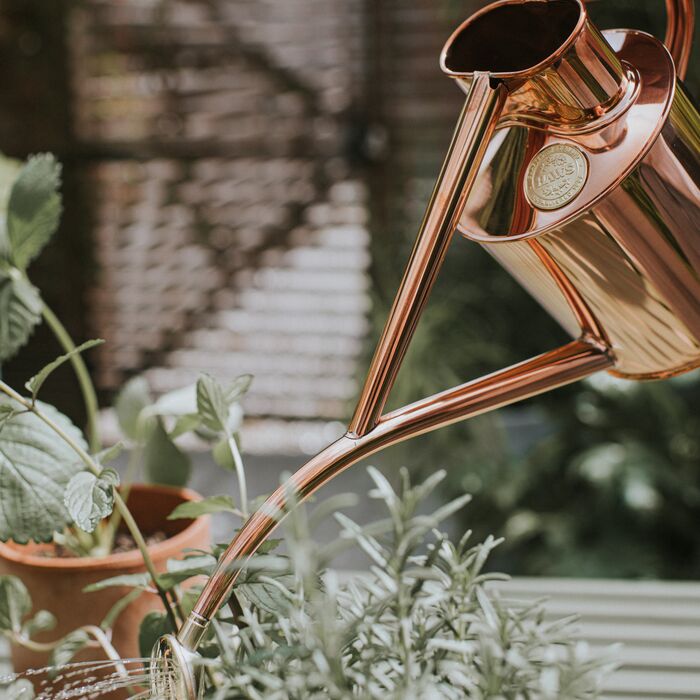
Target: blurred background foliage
<point>597,479</point>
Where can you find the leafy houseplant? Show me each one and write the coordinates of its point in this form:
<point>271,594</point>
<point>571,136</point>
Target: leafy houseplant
<point>61,504</point>
<point>425,622</point>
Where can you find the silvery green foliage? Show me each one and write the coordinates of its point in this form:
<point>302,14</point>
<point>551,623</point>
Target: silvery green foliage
<point>90,498</point>
<point>33,209</point>
<point>20,311</point>
<point>422,624</point>
<point>30,210</point>
<point>35,468</point>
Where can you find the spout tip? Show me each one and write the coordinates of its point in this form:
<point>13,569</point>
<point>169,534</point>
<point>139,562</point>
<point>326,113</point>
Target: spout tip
<point>172,670</point>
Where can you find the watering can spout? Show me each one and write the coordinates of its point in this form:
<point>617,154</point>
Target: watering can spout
<point>575,163</point>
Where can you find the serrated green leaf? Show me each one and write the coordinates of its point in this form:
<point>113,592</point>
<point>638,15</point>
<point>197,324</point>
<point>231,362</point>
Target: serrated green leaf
<point>153,627</point>
<point>15,603</point>
<point>238,388</point>
<point>68,647</point>
<point>211,404</point>
<point>180,570</point>
<point>207,506</point>
<point>7,412</point>
<point>268,594</point>
<point>90,498</point>
<point>140,581</point>
<point>134,397</point>
<point>35,468</point>
<point>36,382</point>
<point>43,621</point>
<point>33,209</point>
<point>20,312</point>
<point>222,455</point>
<point>216,403</point>
<point>164,462</point>
<point>9,168</point>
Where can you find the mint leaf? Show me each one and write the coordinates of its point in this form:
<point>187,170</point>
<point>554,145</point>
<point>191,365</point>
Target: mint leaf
<point>36,382</point>
<point>134,397</point>
<point>90,498</point>
<point>33,209</point>
<point>180,570</point>
<point>238,388</point>
<point>164,462</point>
<point>222,455</point>
<point>153,627</point>
<point>211,404</point>
<point>41,622</point>
<point>20,312</point>
<point>214,504</point>
<point>214,402</point>
<point>15,603</point>
<point>9,167</point>
<point>7,413</point>
<point>68,647</point>
<point>35,468</point>
<point>268,593</point>
<point>139,581</point>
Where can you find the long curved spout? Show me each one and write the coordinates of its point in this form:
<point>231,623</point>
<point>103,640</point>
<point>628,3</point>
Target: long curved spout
<point>567,364</point>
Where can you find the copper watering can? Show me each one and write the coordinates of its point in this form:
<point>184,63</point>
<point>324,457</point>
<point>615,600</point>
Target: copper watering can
<point>576,164</point>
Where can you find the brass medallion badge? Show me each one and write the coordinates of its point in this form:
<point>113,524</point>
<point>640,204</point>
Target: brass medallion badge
<point>555,176</point>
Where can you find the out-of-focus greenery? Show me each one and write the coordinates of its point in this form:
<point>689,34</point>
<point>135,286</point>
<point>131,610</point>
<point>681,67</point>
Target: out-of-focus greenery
<point>604,479</point>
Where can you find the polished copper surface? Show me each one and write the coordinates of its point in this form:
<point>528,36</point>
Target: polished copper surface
<point>679,32</point>
<point>628,242</point>
<point>562,366</point>
<point>473,132</point>
<point>618,265</point>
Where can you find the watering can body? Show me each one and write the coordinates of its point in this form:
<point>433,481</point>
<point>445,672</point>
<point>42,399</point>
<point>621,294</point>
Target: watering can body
<point>600,222</point>
<point>576,163</point>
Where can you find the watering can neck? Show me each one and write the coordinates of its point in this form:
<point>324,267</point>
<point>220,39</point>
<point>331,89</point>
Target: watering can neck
<point>558,69</point>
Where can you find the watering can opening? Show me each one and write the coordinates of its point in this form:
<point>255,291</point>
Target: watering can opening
<point>512,37</point>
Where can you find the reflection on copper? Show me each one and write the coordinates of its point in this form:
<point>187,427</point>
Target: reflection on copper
<point>618,266</point>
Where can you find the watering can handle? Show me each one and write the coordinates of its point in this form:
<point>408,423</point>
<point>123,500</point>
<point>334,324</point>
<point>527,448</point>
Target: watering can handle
<point>679,32</point>
<point>680,23</point>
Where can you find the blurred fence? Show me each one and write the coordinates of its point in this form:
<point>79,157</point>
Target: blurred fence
<point>230,234</point>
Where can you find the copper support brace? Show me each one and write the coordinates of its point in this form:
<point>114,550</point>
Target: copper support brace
<point>567,364</point>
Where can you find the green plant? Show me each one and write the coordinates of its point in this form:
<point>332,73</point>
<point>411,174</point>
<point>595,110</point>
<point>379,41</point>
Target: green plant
<point>57,485</point>
<point>424,622</point>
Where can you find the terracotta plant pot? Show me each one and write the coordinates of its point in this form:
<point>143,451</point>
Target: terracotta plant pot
<point>56,584</point>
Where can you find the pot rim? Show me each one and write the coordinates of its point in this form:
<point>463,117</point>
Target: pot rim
<point>122,560</point>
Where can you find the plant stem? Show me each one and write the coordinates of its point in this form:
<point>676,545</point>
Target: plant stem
<point>240,475</point>
<point>87,388</point>
<point>42,647</point>
<point>116,517</point>
<point>118,502</point>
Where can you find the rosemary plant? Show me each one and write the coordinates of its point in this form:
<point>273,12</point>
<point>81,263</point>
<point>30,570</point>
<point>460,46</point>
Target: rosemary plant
<point>425,621</point>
